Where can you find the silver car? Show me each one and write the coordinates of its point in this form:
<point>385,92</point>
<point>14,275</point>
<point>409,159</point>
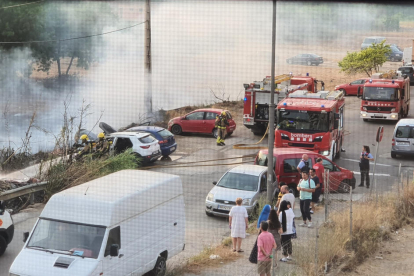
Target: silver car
<point>403,138</point>
<point>246,181</point>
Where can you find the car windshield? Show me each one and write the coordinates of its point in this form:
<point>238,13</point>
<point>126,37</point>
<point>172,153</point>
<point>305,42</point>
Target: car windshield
<point>239,181</point>
<point>146,139</point>
<point>301,120</point>
<point>261,159</point>
<point>405,132</point>
<point>380,93</point>
<point>395,49</point>
<point>69,238</point>
<point>165,133</point>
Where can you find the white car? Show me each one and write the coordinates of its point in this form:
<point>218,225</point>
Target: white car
<point>6,228</point>
<point>142,144</point>
<point>246,181</point>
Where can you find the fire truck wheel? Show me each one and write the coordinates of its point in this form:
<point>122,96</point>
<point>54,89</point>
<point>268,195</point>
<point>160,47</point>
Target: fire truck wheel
<point>176,129</point>
<point>344,187</point>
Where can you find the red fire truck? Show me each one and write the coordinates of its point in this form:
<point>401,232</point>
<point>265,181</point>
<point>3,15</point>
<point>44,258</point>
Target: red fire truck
<point>257,98</point>
<point>312,121</point>
<point>385,99</point>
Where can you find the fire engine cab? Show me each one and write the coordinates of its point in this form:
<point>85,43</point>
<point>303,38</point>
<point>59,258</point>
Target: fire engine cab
<point>257,98</point>
<point>312,121</point>
<point>385,99</point>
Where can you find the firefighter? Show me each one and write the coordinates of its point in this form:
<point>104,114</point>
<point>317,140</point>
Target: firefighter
<point>87,146</point>
<point>221,123</point>
<point>102,146</point>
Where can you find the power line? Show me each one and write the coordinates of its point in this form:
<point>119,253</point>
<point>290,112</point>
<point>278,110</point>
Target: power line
<point>3,8</point>
<point>72,38</point>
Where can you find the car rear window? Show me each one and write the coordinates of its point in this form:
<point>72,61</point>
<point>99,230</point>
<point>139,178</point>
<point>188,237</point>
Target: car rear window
<point>147,139</point>
<point>405,132</point>
<point>406,69</point>
<point>315,56</point>
<point>369,40</point>
<point>165,133</point>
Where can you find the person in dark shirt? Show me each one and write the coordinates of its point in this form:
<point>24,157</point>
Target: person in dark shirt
<point>318,188</point>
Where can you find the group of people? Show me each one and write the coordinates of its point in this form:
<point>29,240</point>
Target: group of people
<point>101,147</point>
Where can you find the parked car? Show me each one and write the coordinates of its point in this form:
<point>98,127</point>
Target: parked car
<point>368,41</point>
<point>308,59</point>
<point>6,228</point>
<point>200,121</point>
<point>286,161</point>
<point>398,47</point>
<point>126,223</point>
<point>352,87</point>
<point>395,55</point>
<point>166,139</point>
<point>407,70</point>
<point>246,181</point>
<point>403,138</point>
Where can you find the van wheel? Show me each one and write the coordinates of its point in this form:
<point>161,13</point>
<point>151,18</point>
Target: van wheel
<point>160,267</point>
<point>176,129</point>
<point>393,155</point>
<point>209,214</point>
<point>3,245</point>
<point>344,187</point>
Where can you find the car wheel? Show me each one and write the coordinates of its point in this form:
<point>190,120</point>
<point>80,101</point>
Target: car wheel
<point>176,129</point>
<point>215,133</point>
<point>365,120</point>
<point>393,155</point>
<point>343,91</point>
<point>344,187</point>
<point>309,63</point>
<point>209,214</point>
<point>160,267</point>
<point>3,245</point>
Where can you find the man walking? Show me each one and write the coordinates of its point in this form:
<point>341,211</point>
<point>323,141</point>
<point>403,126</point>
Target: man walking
<point>265,244</point>
<point>306,187</point>
<point>316,194</point>
<point>221,123</point>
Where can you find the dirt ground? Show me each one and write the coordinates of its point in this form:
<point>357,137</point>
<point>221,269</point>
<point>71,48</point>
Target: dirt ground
<point>395,257</point>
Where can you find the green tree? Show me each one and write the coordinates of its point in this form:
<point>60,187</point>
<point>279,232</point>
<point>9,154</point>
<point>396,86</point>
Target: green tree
<point>365,61</point>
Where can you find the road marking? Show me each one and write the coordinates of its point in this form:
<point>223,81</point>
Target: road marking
<point>377,174</point>
<point>371,163</point>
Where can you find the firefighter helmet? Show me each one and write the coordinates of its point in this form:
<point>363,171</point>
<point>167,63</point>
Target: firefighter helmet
<point>84,137</point>
<point>223,113</point>
<point>101,135</point>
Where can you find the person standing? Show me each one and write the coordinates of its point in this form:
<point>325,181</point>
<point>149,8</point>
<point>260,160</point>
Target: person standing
<point>275,229</point>
<point>221,123</point>
<point>303,164</point>
<point>264,215</point>
<point>306,187</point>
<point>238,222</point>
<point>317,192</point>
<point>365,157</point>
<point>319,170</point>
<point>286,217</point>
<point>286,196</point>
<point>265,245</point>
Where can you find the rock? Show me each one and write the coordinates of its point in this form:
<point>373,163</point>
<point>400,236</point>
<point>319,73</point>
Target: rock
<point>214,257</point>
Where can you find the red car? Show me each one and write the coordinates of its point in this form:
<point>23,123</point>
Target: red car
<point>200,121</point>
<point>352,87</point>
<point>286,161</point>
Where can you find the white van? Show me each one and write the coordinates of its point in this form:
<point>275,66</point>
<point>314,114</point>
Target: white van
<point>6,228</point>
<point>127,223</point>
<point>403,138</point>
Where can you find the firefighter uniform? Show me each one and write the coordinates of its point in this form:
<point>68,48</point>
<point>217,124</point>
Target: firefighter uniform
<point>102,146</point>
<point>221,123</point>
<point>87,148</point>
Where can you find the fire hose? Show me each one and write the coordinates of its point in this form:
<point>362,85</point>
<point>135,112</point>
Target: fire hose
<point>252,146</point>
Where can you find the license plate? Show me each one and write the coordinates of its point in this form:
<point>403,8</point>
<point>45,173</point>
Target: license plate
<point>402,143</point>
<point>172,149</point>
<point>221,207</point>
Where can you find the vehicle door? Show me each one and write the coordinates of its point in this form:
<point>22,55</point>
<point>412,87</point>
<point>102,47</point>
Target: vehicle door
<point>353,87</point>
<point>209,122</point>
<point>335,174</point>
<point>193,122</point>
<point>113,265</point>
<point>296,59</point>
<point>288,172</point>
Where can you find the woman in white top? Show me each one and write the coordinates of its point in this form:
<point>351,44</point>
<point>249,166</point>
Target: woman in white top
<point>286,217</point>
<point>238,222</point>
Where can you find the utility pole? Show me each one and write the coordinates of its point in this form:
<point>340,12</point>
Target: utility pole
<point>271,126</point>
<point>147,60</point>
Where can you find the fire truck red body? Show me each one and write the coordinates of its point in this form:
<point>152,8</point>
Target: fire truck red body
<point>312,121</point>
<point>385,99</point>
<point>257,98</point>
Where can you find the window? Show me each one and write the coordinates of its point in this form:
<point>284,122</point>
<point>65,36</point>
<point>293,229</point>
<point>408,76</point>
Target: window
<point>114,237</point>
<point>211,116</point>
<point>405,132</point>
<point>195,116</point>
<point>239,181</point>
<point>261,159</point>
<point>406,70</point>
<point>290,165</point>
<point>123,144</point>
<point>147,139</point>
<point>358,82</point>
<point>263,182</point>
<point>165,133</point>
<point>369,40</point>
<point>329,166</point>
<point>380,93</point>
<point>303,120</point>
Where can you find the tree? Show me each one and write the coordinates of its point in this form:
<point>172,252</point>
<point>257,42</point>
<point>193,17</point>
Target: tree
<point>365,61</point>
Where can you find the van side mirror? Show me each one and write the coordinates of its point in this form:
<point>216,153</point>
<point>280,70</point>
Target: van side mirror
<point>214,182</point>
<point>25,236</point>
<point>114,250</point>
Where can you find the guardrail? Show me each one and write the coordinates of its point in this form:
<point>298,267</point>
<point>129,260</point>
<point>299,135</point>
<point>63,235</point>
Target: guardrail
<point>28,189</point>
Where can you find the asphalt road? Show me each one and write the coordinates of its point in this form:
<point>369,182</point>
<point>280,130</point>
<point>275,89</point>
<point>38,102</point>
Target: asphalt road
<point>202,230</point>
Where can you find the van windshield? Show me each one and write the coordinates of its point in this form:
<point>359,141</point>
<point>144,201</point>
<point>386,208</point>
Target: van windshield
<point>380,93</point>
<point>67,238</point>
<point>405,132</point>
<point>239,181</point>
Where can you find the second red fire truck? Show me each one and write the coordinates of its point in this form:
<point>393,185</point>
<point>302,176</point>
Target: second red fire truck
<point>312,121</point>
